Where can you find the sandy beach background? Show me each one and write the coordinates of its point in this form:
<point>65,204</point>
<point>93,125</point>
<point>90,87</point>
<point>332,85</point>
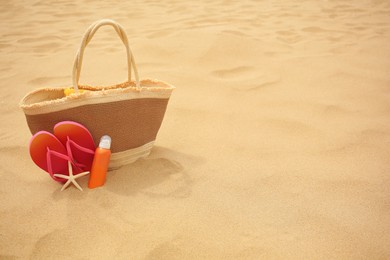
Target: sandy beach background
<point>275,144</point>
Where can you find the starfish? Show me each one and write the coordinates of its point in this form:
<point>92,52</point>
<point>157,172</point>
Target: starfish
<point>71,178</point>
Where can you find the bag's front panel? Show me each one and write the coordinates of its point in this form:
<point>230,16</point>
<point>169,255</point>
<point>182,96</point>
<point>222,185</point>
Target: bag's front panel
<point>130,123</point>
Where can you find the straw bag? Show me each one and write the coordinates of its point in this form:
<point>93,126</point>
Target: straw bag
<point>130,112</point>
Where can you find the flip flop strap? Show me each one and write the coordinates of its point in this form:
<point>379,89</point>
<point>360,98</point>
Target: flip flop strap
<point>70,142</point>
<point>48,159</point>
<point>76,145</point>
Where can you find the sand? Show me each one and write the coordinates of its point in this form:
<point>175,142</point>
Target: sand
<point>275,144</point>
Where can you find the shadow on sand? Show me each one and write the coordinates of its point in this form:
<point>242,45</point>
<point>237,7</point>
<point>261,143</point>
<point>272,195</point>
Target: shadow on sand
<point>162,174</point>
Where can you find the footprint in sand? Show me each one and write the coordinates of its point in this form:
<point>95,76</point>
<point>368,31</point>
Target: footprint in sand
<point>313,29</point>
<point>156,178</point>
<point>235,32</point>
<point>43,44</point>
<point>160,33</point>
<point>240,72</point>
<point>165,250</point>
<point>289,37</point>
<point>46,80</point>
<point>247,77</point>
<point>5,45</point>
<point>48,47</point>
<point>38,39</point>
<point>74,237</point>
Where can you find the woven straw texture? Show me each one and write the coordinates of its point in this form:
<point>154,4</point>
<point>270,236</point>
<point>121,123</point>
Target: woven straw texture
<point>130,123</point>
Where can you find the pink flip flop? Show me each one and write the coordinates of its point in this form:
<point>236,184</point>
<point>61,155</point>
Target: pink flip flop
<point>78,142</point>
<point>49,154</point>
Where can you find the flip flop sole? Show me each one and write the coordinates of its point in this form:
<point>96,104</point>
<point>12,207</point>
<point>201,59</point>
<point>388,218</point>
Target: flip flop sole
<point>43,143</point>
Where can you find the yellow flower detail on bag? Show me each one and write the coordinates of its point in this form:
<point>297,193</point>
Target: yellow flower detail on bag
<point>70,90</point>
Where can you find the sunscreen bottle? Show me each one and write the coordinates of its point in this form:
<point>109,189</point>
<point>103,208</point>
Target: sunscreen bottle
<point>100,163</point>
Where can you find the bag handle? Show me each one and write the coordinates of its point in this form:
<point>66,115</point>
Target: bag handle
<point>88,37</point>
